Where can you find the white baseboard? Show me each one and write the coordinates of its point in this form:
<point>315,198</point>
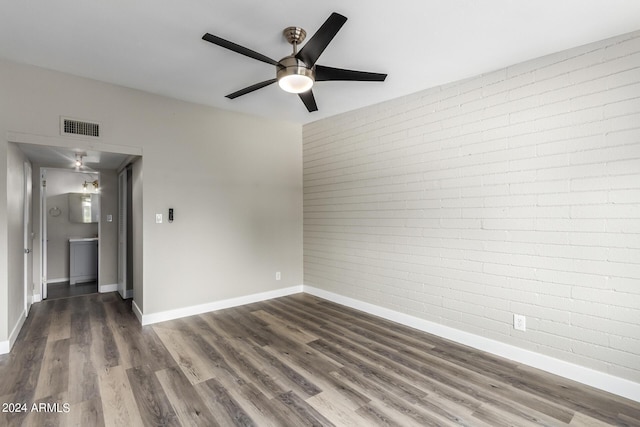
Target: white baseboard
<point>147,319</point>
<point>581,374</point>
<point>5,346</point>
<point>32,299</point>
<point>108,288</point>
<point>58,280</point>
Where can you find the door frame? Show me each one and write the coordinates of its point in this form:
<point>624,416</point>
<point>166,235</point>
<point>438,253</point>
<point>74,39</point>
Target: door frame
<point>44,229</point>
<point>28,239</point>
<point>70,143</point>
<point>43,232</point>
<point>122,232</point>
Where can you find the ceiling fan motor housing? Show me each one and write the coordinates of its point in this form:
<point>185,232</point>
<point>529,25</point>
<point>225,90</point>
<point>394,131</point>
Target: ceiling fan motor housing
<point>293,75</point>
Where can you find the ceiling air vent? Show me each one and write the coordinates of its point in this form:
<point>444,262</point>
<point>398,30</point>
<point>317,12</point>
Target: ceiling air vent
<point>79,128</point>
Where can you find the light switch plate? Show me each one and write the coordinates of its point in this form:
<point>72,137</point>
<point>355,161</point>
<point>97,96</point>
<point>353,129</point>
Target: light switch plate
<point>158,218</point>
<point>109,218</point>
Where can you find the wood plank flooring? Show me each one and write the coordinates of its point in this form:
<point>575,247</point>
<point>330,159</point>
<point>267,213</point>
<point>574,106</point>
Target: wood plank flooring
<point>291,361</point>
<point>65,290</point>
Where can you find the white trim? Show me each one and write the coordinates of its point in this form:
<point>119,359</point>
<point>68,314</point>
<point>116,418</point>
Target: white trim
<point>84,144</point>
<point>108,288</point>
<point>584,375</point>
<point>5,346</point>
<point>28,236</point>
<point>43,231</point>
<point>37,298</point>
<point>61,279</point>
<point>162,316</point>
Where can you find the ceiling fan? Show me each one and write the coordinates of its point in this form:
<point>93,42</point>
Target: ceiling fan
<point>298,72</point>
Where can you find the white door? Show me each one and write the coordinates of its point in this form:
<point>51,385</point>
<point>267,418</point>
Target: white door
<point>122,233</point>
<point>28,240</point>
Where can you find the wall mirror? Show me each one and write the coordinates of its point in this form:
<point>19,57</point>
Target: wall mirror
<point>84,207</point>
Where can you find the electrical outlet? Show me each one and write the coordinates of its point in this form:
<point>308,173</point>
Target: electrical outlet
<point>519,322</point>
<point>278,275</point>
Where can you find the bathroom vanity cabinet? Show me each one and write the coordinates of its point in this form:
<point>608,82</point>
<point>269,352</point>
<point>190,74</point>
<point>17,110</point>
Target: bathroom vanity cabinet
<point>83,260</point>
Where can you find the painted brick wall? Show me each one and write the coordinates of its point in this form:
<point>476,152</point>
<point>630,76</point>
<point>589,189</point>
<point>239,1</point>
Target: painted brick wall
<point>517,191</point>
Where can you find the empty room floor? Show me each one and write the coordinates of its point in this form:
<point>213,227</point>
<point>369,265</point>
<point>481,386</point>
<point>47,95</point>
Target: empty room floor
<point>296,360</point>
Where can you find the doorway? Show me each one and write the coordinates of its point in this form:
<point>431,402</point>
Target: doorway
<point>60,153</point>
<point>70,238</point>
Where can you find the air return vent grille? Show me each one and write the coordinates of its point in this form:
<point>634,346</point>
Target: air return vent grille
<point>79,128</point>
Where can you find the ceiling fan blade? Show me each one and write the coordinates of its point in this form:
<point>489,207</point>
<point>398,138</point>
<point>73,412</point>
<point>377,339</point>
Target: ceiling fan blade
<point>312,50</point>
<point>250,89</point>
<point>309,100</point>
<point>329,73</point>
<point>238,49</point>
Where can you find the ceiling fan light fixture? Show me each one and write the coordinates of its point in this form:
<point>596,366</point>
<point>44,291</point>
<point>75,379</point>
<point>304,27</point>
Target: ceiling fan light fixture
<point>298,72</point>
<point>294,76</point>
<point>295,83</point>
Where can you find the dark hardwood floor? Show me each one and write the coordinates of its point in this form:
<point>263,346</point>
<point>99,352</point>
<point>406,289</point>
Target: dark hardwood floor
<point>292,361</point>
<point>65,290</point>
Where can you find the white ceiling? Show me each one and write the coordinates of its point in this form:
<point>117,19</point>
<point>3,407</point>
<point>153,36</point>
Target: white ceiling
<point>156,45</point>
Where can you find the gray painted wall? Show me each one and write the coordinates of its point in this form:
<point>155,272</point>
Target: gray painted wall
<point>234,181</point>
<point>15,236</point>
<point>108,266</point>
